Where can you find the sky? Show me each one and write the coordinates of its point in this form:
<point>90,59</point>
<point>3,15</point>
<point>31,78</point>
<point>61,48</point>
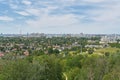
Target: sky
<point>60,16</point>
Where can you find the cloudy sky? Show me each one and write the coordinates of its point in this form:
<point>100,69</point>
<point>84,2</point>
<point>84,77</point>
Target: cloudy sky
<point>60,16</point>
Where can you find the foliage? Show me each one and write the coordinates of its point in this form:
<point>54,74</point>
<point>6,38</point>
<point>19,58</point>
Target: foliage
<point>47,62</point>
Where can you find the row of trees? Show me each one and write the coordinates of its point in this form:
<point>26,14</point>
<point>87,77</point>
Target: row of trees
<point>57,67</point>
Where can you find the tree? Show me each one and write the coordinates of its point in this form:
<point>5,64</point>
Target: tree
<point>50,51</point>
<point>90,51</point>
<point>56,51</point>
<point>50,68</point>
<point>16,70</point>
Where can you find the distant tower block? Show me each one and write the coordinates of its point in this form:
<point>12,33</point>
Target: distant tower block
<point>27,34</point>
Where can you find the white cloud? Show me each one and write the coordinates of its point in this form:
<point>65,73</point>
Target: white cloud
<point>94,1</point>
<point>104,14</point>
<point>108,13</point>
<point>40,11</point>
<point>67,14</point>
<point>34,11</point>
<point>23,13</point>
<point>13,6</point>
<point>53,21</point>
<point>6,18</point>
<point>26,2</point>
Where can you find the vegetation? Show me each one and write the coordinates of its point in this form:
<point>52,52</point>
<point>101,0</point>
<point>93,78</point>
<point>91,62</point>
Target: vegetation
<point>57,59</point>
<point>52,67</point>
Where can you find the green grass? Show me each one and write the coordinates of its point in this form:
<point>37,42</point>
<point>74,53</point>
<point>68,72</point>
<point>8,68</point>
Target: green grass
<point>104,50</point>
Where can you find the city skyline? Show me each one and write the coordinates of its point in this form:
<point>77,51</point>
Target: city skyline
<point>60,16</point>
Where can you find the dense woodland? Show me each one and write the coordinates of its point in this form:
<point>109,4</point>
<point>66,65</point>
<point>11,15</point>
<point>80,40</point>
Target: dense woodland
<point>46,62</point>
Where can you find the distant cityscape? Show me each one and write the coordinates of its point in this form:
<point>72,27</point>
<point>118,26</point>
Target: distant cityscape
<point>57,35</point>
<point>105,38</point>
